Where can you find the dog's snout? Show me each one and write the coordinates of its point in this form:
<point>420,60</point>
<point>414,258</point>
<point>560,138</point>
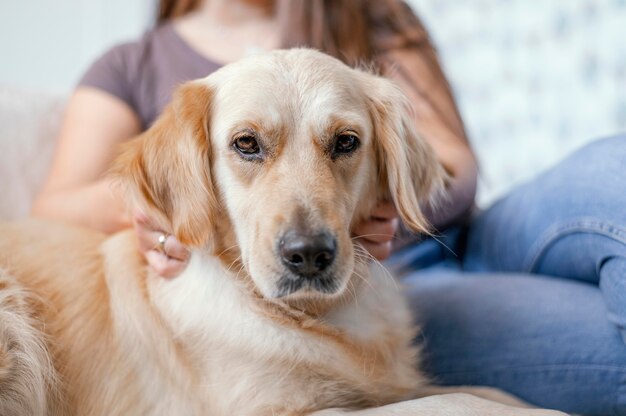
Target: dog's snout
<point>307,254</point>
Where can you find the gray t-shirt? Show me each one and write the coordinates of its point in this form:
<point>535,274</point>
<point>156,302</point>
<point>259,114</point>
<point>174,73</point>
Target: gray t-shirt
<point>145,73</point>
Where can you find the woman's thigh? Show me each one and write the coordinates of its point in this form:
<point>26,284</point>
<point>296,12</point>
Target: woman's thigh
<point>546,340</point>
<point>569,222</point>
<point>580,204</point>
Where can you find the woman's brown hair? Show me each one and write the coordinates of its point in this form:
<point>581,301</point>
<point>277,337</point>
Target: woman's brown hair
<point>361,32</point>
<point>342,28</point>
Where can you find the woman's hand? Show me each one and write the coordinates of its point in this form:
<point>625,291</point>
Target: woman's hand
<point>169,258</point>
<point>376,233</point>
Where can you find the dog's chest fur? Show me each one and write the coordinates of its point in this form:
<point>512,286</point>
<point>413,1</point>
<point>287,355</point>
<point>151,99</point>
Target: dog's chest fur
<point>245,362</point>
<point>124,343</point>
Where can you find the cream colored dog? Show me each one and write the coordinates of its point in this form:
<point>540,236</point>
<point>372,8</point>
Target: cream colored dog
<point>261,169</point>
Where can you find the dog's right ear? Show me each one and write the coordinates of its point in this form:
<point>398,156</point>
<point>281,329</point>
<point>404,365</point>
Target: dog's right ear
<point>167,171</point>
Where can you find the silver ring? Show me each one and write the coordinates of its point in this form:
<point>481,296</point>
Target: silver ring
<point>161,243</point>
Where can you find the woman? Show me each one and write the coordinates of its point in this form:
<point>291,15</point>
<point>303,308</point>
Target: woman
<point>126,89</point>
<point>514,333</point>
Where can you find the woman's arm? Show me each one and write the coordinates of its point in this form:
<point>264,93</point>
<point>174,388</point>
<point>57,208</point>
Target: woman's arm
<point>76,191</point>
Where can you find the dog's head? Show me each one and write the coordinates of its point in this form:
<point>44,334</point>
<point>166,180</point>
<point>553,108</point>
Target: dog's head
<point>287,150</point>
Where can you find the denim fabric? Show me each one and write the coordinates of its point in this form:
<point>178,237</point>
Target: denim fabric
<point>533,298</point>
<point>569,222</point>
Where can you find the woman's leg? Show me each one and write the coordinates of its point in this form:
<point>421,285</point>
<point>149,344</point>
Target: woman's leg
<point>545,340</point>
<point>569,222</point>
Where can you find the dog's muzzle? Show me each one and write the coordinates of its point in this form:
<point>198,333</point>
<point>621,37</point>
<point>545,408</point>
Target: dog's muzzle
<point>308,257</point>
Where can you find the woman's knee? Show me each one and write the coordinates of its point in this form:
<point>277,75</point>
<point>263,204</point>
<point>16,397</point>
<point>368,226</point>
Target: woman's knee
<point>606,146</point>
<point>588,183</point>
<point>600,162</point>
<point>582,193</point>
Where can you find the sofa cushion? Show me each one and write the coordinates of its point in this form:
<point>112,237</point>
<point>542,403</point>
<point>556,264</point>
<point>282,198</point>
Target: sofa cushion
<point>29,125</point>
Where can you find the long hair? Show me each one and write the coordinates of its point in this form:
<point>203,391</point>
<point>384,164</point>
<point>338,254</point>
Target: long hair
<point>346,29</point>
<point>169,9</point>
<point>360,33</point>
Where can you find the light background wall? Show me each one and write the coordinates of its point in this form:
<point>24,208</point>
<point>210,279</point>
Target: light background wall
<point>534,79</point>
<point>49,43</point>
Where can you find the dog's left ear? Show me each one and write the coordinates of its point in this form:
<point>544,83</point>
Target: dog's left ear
<point>409,173</point>
<point>167,169</point>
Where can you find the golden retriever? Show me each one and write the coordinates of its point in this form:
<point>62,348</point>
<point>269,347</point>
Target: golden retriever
<point>261,169</point>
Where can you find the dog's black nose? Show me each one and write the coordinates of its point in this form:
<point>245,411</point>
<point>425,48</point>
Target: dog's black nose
<point>307,254</point>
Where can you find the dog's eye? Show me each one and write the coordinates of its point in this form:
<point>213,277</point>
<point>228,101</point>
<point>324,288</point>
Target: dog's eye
<point>247,144</point>
<point>346,143</point>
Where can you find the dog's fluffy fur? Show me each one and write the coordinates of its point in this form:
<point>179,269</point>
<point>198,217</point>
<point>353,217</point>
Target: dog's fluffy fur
<point>87,329</point>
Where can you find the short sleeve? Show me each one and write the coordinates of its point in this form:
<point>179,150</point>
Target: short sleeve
<point>114,71</point>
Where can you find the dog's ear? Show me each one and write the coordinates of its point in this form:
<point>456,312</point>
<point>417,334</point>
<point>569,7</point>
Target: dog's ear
<point>408,170</point>
<point>167,169</point>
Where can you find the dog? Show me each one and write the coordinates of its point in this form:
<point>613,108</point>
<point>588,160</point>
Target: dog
<point>262,169</point>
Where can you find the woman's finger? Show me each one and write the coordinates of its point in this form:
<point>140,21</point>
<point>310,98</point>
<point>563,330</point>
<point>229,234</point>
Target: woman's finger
<point>173,248</point>
<point>380,251</point>
<point>167,258</point>
<point>377,231</point>
<point>142,219</point>
<point>384,210</point>
<point>165,266</point>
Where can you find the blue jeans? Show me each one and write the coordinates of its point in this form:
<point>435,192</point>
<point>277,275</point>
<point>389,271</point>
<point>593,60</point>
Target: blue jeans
<point>531,296</point>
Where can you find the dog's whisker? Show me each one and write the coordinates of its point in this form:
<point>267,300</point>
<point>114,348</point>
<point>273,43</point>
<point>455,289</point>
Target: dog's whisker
<point>360,276</point>
<point>233,263</point>
<point>392,236</point>
<point>444,245</point>
<point>352,291</point>
<point>360,250</point>
<point>227,249</point>
<point>241,269</point>
<point>366,281</point>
